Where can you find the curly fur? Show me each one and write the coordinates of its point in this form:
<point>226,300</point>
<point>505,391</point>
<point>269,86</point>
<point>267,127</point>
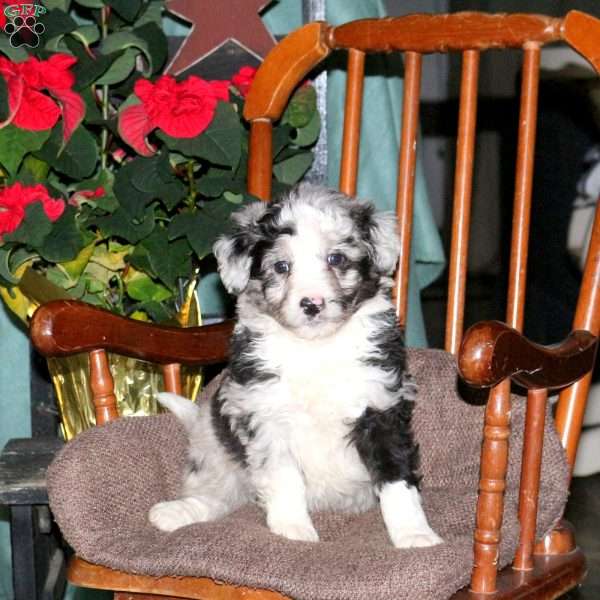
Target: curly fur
<point>314,412</point>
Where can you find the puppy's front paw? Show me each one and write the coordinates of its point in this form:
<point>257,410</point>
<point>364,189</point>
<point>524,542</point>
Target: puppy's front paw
<point>173,514</point>
<point>415,539</point>
<point>301,531</point>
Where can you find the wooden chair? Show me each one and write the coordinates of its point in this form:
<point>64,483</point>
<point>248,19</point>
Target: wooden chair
<point>490,354</point>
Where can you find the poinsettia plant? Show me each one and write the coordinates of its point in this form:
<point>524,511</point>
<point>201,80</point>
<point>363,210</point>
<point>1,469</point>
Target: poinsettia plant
<point>116,179</point>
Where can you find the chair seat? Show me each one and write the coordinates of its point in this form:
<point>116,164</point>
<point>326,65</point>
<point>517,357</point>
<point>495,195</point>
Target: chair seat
<point>103,483</point>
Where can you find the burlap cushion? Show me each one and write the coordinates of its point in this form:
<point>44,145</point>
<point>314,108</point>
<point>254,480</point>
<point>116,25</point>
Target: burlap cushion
<point>103,483</point>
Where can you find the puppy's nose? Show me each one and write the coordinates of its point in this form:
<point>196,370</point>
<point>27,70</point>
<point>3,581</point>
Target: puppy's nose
<point>313,305</point>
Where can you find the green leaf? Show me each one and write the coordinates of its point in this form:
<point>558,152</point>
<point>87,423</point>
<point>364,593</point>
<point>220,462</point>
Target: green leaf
<point>121,68</point>
<point>120,224</point>
<point>203,227</point>
<point>91,3</point>
<point>64,242</point>
<point>159,312</point>
<point>87,68</point>
<point>6,274</point>
<point>15,143</point>
<point>74,268</point>
<point>78,158</point>
<point>155,178</point>
<point>57,22</point>
<point>92,110</point>
<point>122,40</point>
<point>168,259</point>
<point>233,198</point>
<point>127,9</point>
<point>33,170</point>
<point>220,143</point>
<point>15,54</point>
<point>33,229</point>
<point>151,14</point>
<point>281,138</point>
<point>308,135</point>
<point>301,107</point>
<point>216,181</point>
<point>139,259</point>
<point>291,169</point>
<point>59,4</point>
<point>141,287</point>
<point>156,41</point>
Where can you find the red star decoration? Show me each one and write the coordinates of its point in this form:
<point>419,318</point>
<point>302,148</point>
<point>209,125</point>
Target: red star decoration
<point>213,23</point>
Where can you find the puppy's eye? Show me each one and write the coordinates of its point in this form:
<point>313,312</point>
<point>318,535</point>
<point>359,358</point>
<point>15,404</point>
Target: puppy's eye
<point>281,266</point>
<point>336,259</point>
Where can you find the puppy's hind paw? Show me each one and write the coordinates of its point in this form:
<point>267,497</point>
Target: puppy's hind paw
<point>173,514</point>
<point>422,539</point>
<point>302,532</point>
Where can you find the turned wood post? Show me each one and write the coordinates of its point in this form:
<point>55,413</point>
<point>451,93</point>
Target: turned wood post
<point>103,390</point>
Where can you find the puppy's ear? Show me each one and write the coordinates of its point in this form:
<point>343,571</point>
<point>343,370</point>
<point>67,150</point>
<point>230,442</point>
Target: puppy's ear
<point>234,251</point>
<point>379,231</point>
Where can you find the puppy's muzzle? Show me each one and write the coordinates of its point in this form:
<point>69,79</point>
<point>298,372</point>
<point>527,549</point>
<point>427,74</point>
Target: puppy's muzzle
<point>312,306</point>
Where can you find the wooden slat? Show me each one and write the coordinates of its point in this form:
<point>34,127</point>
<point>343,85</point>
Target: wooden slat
<point>85,574</point>
<point>260,159</point>
<point>463,185</point>
<point>406,177</point>
<point>172,378</point>
<point>103,389</point>
<point>492,483</point>
<point>571,405</point>
<point>443,33</point>
<point>533,444</point>
<point>352,118</point>
<point>523,185</point>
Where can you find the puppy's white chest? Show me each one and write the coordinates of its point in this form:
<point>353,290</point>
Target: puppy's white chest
<point>324,393</point>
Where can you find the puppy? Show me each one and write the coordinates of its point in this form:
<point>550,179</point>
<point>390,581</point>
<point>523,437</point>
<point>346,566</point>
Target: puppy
<point>314,412</point>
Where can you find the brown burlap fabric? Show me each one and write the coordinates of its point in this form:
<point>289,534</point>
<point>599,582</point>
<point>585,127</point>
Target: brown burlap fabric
<point>103,483</point>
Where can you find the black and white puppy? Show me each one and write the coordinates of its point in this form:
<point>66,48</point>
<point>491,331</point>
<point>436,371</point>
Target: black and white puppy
<point>314,412</point>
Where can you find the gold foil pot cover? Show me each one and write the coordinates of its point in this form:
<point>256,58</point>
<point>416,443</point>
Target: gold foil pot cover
<point>136,384</point>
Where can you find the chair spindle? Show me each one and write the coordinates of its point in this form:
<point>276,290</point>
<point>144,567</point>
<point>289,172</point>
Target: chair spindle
<point>463,185</point>
<point>572,401</point>
<point>260,162</point>
<point>172,378</point>
<point>533,444</point>
<point>406,177</point>
<point>352,118</point>
<point>492,483</point>
<point>523,186</point>
<point>103,389</point>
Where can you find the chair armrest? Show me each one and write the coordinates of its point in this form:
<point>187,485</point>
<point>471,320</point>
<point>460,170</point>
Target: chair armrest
<point>66,327</point>
<point>492,351</point>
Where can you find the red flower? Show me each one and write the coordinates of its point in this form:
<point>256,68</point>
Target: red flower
<point>181,109</point>
<point>29,108</point>
<point>14,198</point>
<point>243,79</point>
<point>82,196</point>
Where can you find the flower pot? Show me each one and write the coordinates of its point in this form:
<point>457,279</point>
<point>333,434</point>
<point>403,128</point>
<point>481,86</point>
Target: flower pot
<point>136,384</point>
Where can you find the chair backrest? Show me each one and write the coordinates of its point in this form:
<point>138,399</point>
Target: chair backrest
<point>470,34</point>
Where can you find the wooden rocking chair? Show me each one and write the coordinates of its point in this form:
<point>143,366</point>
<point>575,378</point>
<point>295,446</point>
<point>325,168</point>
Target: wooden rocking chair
<point>490,354</point>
